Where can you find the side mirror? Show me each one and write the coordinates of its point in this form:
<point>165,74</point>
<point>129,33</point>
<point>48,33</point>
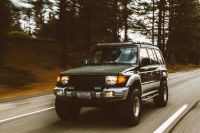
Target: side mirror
<point>145,62</point>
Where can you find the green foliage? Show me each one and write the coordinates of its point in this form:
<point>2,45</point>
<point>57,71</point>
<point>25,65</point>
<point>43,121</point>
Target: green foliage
<point>186,34</point>
<point>18,35</point>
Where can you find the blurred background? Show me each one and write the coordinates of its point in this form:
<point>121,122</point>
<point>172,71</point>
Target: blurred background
<point>40,38</point>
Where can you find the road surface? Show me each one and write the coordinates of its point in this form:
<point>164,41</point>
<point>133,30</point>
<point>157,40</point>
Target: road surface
<point>37,114</point>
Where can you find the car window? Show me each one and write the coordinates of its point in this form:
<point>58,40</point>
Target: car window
<point>127,55</point>
<point>114,55</point>
<point>152,57</point>
<point>144,57</point>
<point>159,56</point>
<point>143,53</point>
<point>156,58</point>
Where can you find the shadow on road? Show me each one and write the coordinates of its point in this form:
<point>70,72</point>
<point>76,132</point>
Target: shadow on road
<point>92,120</point>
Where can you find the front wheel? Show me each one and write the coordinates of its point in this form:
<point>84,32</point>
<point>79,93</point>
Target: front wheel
<point>66,111</point>
<point>131,109</point>
<point>162,99</point>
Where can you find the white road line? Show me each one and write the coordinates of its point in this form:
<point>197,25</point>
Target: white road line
<point>184,74</point>
<point>31,113</point>
<point>169,121</point>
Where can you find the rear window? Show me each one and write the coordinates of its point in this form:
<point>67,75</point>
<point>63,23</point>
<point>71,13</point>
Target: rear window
<point>152,57</point>
<point>159,56</point>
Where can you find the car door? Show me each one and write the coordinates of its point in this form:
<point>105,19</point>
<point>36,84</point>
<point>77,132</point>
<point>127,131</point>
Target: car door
<point>155,69</point>
<point>162,67</point>
<point>145,71</point>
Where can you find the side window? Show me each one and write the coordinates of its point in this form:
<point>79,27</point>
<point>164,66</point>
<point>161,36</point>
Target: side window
<point>143,53</point>
<point>152,57</point>
<point>159,56</point>
<point>157,61</point>
<point>144,57</point>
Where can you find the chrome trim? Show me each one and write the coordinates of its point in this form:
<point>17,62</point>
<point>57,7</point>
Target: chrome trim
<point>157,84</point>
<point>98,94</point>
<point>120,92</point>
<point>150,97</point>
<point>59,88</point>
<point>136,107</point>
<point>144,83</point>
<point>149,93</point>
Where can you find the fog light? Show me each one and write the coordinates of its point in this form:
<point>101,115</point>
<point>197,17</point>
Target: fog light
<point>59,93</point>
<point>110,94</point>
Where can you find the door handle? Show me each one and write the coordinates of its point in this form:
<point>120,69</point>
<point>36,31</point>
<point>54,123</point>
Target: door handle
<point>157,72</point>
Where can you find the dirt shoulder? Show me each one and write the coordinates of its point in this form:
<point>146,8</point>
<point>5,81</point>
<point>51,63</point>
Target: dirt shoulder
<point>181,68</point>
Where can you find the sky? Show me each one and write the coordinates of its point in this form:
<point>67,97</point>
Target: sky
<point>137,37</point>
<point>19,3</point>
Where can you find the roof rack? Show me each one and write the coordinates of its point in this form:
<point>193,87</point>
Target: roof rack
<point>118,43</point>
<point>141,44</point>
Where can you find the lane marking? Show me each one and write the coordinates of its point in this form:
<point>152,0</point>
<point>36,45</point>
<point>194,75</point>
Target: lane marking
<point>184,74</point>
<point>20,116</point>
<point>170,120</point>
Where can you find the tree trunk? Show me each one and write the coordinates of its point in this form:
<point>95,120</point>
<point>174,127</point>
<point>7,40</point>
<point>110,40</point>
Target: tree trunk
<point>153,24</point>
<point>160,8</point>
<point>163,29</point>
<point>63,34</point>
<point>125,17</point>
<point>169,50</point>
<point>115,24</point>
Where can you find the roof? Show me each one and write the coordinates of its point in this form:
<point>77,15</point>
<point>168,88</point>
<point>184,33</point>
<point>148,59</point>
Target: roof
<point>122,44</point>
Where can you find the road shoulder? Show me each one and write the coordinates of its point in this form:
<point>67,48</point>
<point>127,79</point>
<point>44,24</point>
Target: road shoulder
<point>190,123</point>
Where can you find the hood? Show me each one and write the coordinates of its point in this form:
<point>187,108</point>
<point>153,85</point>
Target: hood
<point>98,70</point>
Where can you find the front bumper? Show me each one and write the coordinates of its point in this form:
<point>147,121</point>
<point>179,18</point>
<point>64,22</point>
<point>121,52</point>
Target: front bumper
<point>107,95</point>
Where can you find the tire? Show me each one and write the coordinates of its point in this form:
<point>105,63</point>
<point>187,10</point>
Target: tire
<point>66,111</point>
<point>162,99</point>
<point>131,109</point>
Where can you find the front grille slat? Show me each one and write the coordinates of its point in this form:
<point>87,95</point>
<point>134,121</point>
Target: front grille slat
<point>86,83</point>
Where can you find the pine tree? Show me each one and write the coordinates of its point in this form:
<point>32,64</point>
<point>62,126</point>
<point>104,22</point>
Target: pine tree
<point>6,17</point>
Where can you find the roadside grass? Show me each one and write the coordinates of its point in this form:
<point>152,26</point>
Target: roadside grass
<point>47,80</point>
<point>45,83</point>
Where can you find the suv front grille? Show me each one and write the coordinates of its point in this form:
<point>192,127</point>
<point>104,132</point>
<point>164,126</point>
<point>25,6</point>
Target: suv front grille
<point>86,83</point>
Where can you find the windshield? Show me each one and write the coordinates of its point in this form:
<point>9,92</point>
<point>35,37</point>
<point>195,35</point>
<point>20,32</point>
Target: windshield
<point>114,56</point>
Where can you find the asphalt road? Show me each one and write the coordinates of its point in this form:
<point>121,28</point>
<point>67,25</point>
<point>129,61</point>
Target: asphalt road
<point>190,123</point>
<point>37,115</point>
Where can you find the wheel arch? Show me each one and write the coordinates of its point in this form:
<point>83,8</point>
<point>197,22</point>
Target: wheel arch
<point>134,82</point>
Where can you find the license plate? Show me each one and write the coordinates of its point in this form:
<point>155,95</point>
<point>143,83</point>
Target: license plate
<point>83,95</point>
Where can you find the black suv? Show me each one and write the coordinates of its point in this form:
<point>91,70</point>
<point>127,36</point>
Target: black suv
<point>120,75</point>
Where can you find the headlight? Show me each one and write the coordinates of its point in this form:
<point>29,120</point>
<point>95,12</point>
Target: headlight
<point>112,80</point>
<point>64,80</point>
